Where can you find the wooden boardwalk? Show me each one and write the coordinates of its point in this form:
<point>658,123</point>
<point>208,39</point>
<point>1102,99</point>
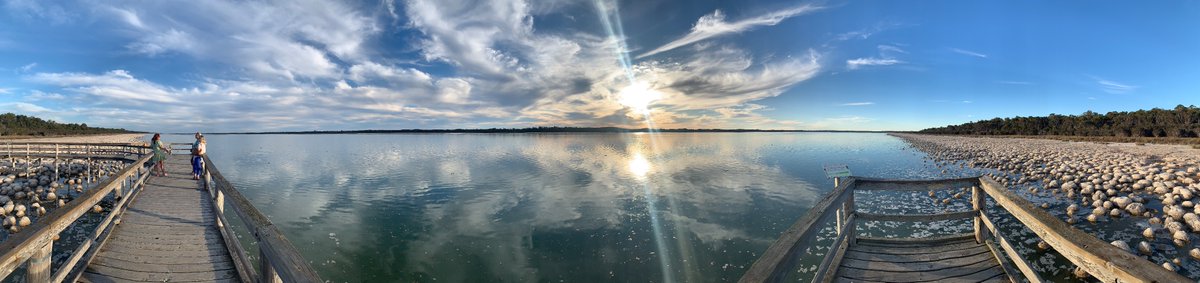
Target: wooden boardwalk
<point>166,235</point>
<point>982,256</point>
<point>948,259</point>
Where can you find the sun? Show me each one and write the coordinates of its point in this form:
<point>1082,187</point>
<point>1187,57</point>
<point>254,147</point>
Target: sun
<point>638,96</point>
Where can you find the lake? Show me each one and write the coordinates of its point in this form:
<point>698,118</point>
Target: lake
<point>587,207</point>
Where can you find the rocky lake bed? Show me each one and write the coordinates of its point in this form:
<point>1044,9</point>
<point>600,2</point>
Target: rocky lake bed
<point>1141,198</point>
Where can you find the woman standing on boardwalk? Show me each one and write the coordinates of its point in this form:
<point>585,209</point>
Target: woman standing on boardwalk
<point>160,154</point>
<point>198,151</point>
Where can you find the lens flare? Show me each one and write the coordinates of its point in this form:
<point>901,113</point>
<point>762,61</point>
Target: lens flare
<point>638,96</point>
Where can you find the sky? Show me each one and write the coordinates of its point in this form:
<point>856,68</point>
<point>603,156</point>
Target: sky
<point>219,65</point>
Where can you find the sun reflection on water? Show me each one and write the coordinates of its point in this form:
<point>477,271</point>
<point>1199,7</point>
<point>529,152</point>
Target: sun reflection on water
<point>639,166</point>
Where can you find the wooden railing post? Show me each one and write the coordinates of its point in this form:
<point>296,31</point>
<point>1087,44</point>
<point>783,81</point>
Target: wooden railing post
<point>268,274</point>
<point>977,204</point>
<point>849,209</point>
<point>39,265</point>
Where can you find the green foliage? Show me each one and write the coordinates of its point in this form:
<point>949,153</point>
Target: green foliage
<point>21,125</point>
<point>1181,122</point>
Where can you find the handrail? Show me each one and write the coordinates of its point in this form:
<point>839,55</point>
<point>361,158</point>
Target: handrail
<point>776,260</point>
<point>280,259</point>
<point>1103,261</point>
<point>34,244</point>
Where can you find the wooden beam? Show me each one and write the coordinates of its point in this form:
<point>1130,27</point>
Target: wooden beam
<point>17,248</point>
<point>915,185</point>
<point>1016,258</point>
<point>39,265</point>
<point>916,217</point>
<point>1102,260</point>
<point>829,264</point>
<point>777,259</point>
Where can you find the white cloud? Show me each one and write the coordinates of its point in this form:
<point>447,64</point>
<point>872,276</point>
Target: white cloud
<point>28,67</point>
<point>883,48</point>
<point>714,25</point>
<point>968,53</point>
<point>870,61</point>
<point>858,103</point>
<point>286,39</point>
<point>1114,87</point>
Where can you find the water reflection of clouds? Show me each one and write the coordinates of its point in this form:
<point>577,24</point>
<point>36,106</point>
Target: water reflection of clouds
<point>481,199</point>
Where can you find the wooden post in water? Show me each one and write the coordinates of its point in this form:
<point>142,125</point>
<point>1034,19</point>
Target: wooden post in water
<point>39,265</point>
<point>977,202</point>
<point>56,163</point>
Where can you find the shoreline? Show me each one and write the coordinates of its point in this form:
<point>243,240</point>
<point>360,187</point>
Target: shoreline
<point>102,138</point>
<point>1142,196</point>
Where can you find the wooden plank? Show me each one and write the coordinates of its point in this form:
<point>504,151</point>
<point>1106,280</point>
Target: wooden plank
<point>914,257</point>
<point>916,217</point>
<point>776,260</point>
<point>159,259</point>
<point>1102,260</point>
<point>910,250</point>
<point>1016,258</point>
<point>945,263</point>
<point>872,184</point>
<point>916,276</point>
<point>149,267</point>
<point>76,265</point>
<point>126,274</point>
<point>936,240</point>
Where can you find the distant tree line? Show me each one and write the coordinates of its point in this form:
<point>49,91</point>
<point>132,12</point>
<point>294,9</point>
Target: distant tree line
<point>21,125</point>
<point>523,130</point>
<point>1181,122</point>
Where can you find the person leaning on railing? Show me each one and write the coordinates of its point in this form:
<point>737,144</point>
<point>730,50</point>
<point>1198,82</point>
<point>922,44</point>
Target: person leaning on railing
<point>198,151</point>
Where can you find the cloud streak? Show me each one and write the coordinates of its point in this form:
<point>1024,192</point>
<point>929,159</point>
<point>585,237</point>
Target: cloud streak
<point>1114,87</point>
<point>714,25</point>
<point>858,103</point>
<point>969,53</point>
<point>871,61</point>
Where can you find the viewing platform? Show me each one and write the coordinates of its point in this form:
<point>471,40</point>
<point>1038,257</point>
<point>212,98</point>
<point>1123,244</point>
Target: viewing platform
<point>154,229</point>
<point>981,256</point>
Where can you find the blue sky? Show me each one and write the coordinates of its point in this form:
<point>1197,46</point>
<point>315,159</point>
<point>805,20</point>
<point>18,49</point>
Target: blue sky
<point>330,65</point>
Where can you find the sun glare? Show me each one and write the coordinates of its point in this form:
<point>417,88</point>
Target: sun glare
<point>638,97</point>
<point>639,166</point>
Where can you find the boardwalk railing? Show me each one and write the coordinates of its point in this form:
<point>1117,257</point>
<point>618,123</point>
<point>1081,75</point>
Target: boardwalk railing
<point>1099,259</point>
<point>33,246</point>
<point>280,261</point>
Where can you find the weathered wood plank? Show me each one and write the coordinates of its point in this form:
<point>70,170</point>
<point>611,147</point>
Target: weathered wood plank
<point>1100,259</point>
<point>914,185</point>
<point>896,250</point>
<point>914,257</point>
<point>203,276</point>
<point>911,276</point>
<point>944,263</point>
<point>776,260</point>
<point>967,239</point>
<point>916,217</point>
<point>155,267</point>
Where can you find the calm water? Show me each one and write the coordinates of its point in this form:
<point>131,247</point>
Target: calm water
<point>544,207</point>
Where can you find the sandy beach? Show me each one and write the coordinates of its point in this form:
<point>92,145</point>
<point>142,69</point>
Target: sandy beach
<point>114,138</point>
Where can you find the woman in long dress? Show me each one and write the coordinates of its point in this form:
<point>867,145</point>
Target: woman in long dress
<point>160,155</point>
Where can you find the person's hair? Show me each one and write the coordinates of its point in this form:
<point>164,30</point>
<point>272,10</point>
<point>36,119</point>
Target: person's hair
<point>155,137</point>
<point>203,140</point>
